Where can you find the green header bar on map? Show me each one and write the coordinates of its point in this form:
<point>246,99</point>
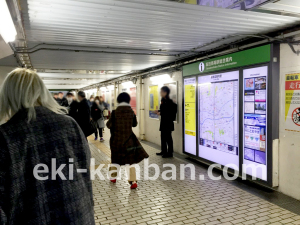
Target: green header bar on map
<point>244,58</point>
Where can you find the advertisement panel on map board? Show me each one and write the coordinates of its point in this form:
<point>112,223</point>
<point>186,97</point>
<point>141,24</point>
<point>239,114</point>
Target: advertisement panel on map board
<point>190,115</point>
<point>218,118</point>
<point>292,102</point>
<point>255,122</point>
<point>153,101</point>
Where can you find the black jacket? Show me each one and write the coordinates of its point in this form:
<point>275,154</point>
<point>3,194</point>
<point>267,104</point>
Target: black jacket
<point>168,111</point>
<point>96,113</point>
<point>73,107</point>
<point>83,116</point>
<point>62,102</point>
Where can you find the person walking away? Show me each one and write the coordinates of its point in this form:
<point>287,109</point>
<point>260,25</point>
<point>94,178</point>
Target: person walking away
<point>83,116</point>
<point>97,116</point>
<point>168,111</point>
<point>62,100</point>
<point>37,134</point>
<point>125,147</point>
<point>72,105</point>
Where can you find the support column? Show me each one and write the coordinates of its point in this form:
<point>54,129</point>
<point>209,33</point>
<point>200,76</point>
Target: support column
<point>142,109</point>
<point>115,94</point>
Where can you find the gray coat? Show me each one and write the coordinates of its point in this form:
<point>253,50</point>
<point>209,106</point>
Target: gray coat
<point>29,201</point>
<point>100,122</point>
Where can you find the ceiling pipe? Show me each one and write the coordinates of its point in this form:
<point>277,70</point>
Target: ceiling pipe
<point>97,47</point>
<point>94,51</point>
<point>180,64</point>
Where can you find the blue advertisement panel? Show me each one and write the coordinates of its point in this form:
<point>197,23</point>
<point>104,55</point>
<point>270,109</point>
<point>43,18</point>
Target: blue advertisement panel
<point>255,122</point>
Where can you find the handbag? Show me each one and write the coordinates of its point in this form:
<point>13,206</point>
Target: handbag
<point>105,112</point>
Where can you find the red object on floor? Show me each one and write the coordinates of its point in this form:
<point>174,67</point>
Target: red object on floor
<point>133,186</point>
<point>114,181</point>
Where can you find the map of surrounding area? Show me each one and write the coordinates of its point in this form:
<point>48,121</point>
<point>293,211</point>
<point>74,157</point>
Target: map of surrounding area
<point>218,109</point>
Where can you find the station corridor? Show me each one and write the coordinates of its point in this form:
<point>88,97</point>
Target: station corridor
<point>179,201</point>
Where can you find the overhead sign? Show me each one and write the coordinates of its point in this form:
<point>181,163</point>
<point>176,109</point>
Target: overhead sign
<point>248,57</point>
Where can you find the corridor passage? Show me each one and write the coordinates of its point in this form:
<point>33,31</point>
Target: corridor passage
<point>178,201</point>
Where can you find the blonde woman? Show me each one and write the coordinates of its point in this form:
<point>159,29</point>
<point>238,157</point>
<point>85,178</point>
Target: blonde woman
<point>37,143</point>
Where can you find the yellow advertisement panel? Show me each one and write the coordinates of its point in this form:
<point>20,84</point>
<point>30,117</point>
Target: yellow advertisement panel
<point>190,109</point>
<point>153,101</point>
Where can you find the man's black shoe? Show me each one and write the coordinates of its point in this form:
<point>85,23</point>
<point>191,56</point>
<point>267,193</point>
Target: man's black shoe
<point>160,153</point>
<point>167,156</point>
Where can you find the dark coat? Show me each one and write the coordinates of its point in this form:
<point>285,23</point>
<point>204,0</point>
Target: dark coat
<point>73,107</point>
<point>96,113</point>
<point>30,201</point>
<point>168,110</point>
<point>62,102</point>
<point>83,116</point>
<point>125,147</point>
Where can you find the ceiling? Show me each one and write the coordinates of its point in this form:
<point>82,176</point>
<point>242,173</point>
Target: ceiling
<point>131,35</point>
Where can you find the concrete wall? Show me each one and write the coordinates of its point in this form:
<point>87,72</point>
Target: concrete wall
<point>152,133</point>
<point>289,148</point>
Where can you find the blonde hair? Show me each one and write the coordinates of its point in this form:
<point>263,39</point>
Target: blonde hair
<point>24,89</point>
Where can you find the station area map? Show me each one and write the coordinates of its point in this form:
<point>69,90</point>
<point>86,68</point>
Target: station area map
<point>218,115</point>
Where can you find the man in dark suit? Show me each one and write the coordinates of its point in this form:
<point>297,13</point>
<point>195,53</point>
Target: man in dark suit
<point>72,105</point>
<point>83,116</point>
<point>168,111</point>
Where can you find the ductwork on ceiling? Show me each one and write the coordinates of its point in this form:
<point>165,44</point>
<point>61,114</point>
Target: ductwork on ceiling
<point>132,36</point>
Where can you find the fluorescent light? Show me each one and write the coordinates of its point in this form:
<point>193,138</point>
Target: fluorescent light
<point>103,88</point>
<point>7,27</point>
<point>160,78</point>
<point>161,43</point>
<point>128,84</point>
<point>90,90</point>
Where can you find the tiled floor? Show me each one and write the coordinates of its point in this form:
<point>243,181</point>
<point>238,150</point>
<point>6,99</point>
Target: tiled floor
<point>178,201</point>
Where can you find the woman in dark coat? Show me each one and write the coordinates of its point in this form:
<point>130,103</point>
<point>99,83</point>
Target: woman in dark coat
<point>125,147</point>
<point>35,137</point>
<point>97,115</point>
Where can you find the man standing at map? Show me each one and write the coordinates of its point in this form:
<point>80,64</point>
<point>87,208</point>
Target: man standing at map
<point>168,111</point>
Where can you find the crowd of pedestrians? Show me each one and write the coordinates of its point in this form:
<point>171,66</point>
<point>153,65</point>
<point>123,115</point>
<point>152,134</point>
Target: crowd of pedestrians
<point>38,128</point>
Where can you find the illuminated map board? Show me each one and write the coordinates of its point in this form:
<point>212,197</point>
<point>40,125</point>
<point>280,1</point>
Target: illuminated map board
<point>190,115</point>
<point>255,122</point>
<point>218,118</point>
